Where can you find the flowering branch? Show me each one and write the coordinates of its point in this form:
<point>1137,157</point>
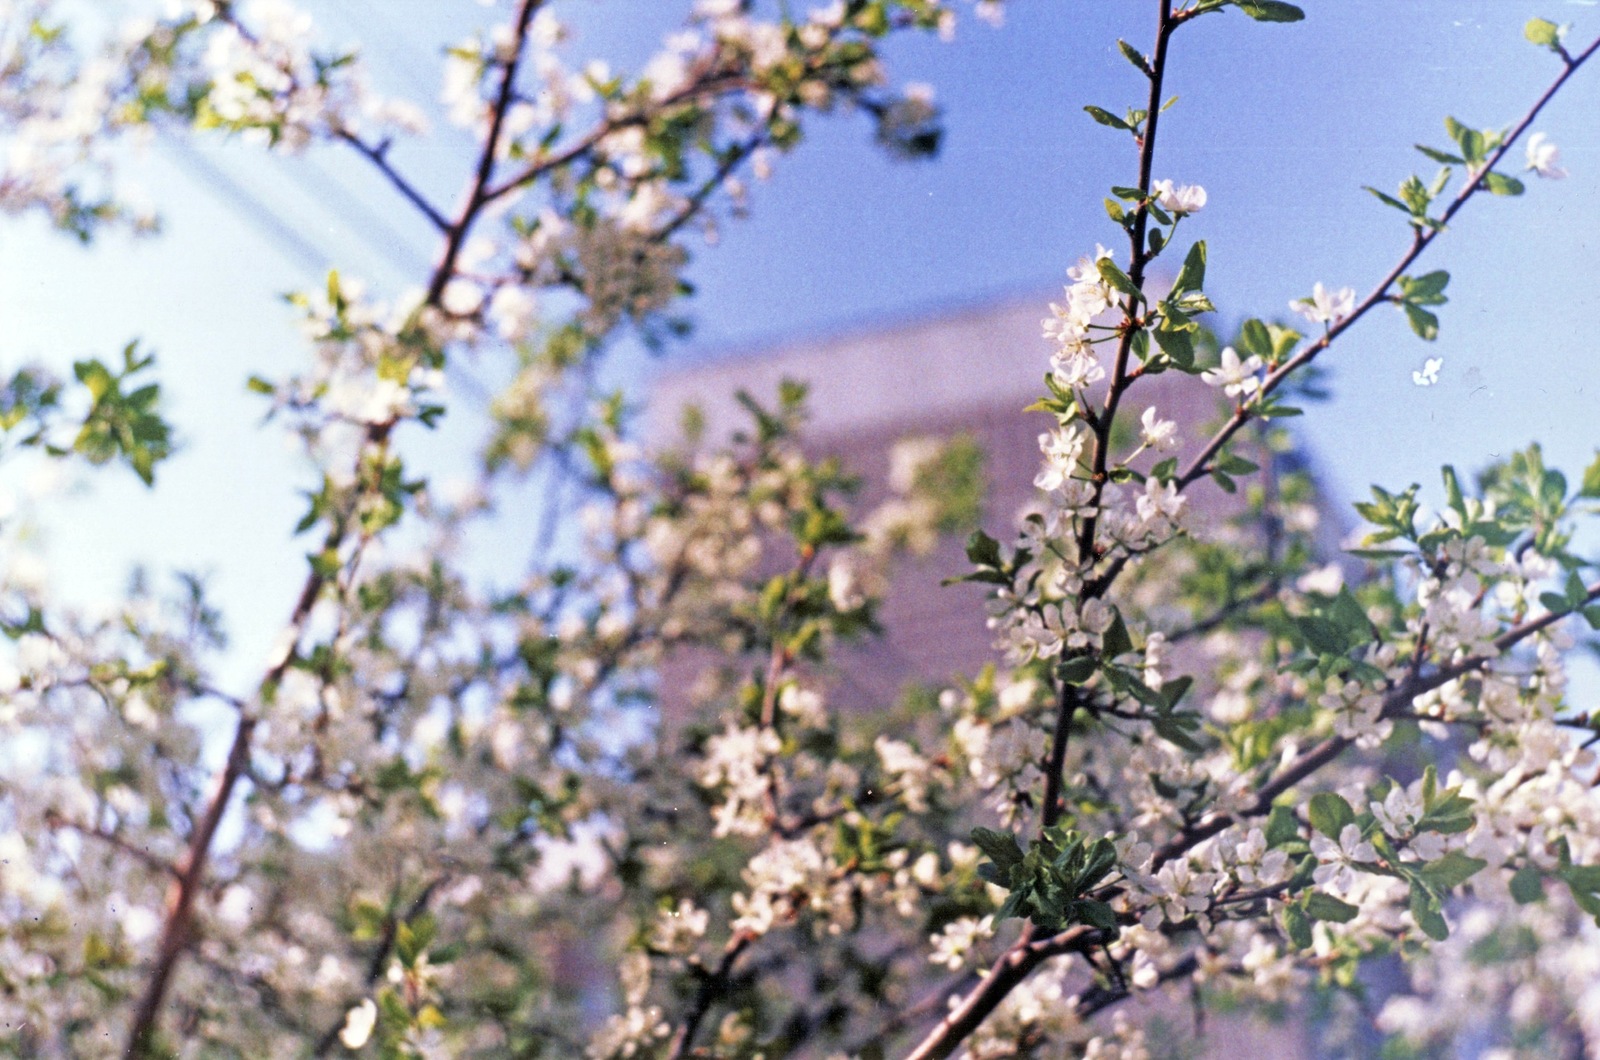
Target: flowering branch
<point>1422,237</point>
<point>176,927</point>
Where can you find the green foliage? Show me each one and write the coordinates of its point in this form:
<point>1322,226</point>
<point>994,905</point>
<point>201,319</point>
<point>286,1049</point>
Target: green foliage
<point>1419,291</point>
<point>121,422</point>
<point>1050,881</point>
<point>1270,10</point>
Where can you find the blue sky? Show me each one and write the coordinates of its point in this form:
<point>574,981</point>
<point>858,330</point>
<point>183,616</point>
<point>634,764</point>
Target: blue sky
<point>1282,125</point>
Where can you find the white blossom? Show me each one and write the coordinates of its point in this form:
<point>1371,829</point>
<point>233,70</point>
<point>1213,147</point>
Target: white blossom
<point>1544,157</point>
<point>1325,306</point>
<point>1233,375</point>
<point>1180,200</point>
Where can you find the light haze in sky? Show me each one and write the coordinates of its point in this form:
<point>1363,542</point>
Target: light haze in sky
<point>1281,124</point>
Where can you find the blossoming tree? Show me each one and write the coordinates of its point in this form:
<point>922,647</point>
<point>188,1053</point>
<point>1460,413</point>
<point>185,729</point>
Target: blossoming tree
<point>1202,764</point>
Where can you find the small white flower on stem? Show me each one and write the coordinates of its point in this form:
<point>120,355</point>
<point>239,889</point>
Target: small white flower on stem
<point>1544,157</point>
<point>1159,502</point>
<point>952,946</point>
<point>1183,199</point>
<point>1400,811</point>
<point>461,298</point>
<point>1325,306</point>
<point>1338,859</point>
<point>358,1024</point>
<point>1160,435</point>
<point>1233,375</point>
<point>1061,451</point>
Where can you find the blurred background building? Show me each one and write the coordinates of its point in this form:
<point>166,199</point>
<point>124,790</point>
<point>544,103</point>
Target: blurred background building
<point>969,371</point>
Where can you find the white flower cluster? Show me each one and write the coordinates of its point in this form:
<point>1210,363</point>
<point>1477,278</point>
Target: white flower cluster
<point>785,879</point>
<point>738,761</point>
<point>1074,363</point>
<point>267,83</point>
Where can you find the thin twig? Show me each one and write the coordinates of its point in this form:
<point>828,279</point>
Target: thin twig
<point>379,157</point>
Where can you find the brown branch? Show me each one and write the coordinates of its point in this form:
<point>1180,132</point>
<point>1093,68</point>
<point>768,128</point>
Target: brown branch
<point>379,156</point>
<point>1394,703</point>
<point>177,924</point>
<point>1139,258</point>
<point>1066,706</point>
<point>1015,965</point>
<point>478,195</point>
<point>713,985</point>
<point>711,83</point>
<point>175,933</point>
<point>56,821</point>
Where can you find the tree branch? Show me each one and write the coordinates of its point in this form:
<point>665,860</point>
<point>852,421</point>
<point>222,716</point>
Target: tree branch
<point>176,927</point>
<point>1421,239</point>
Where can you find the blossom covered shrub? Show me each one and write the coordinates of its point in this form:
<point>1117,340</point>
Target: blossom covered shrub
<point>1207,762</point>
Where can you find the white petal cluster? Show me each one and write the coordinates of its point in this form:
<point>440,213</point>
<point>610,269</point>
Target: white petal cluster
<point>1326,306</point>
<point>736,763</point>
<point>1233,375</point>
<point>1180,200</point>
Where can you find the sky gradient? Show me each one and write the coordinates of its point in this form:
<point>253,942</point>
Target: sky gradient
<point>1281,124</point>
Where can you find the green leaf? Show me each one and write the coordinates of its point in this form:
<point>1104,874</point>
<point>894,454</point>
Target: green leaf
<point>1270,10</point>
<point>1440,156</point>
<point>1415,195</point>
<point>1176,344</point>
<point>1192,277</point>
<point>1543,32</point>
<point>1387,200</point>
<point>1425,911</point>
<point>1452,488</point>
<point>983,550</point>
<point>1424,323</point>
<point>1001,847</point>
<point>1427,289</point>
<point>1281,826</point>
<point>1174,729</point>
<point>1577,592</point>
<point>1117,278</point>
<point>1322,906</point>
<point>1581,878</point>
<point>1527,884</point>
<point>1329,813</point>
<point>1452,870</point>
<point>1106,118</point>
<point>1134,56</point>
<point>1501,184</point>
<point>1254,338</point>
<point>1297,926</point>
<point>1095,914</point>
<point>1591,479</point>
<point>1077,670</point>
<point>1233,464</point>
<point>1469,140</point>
<point>1116,640</point>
